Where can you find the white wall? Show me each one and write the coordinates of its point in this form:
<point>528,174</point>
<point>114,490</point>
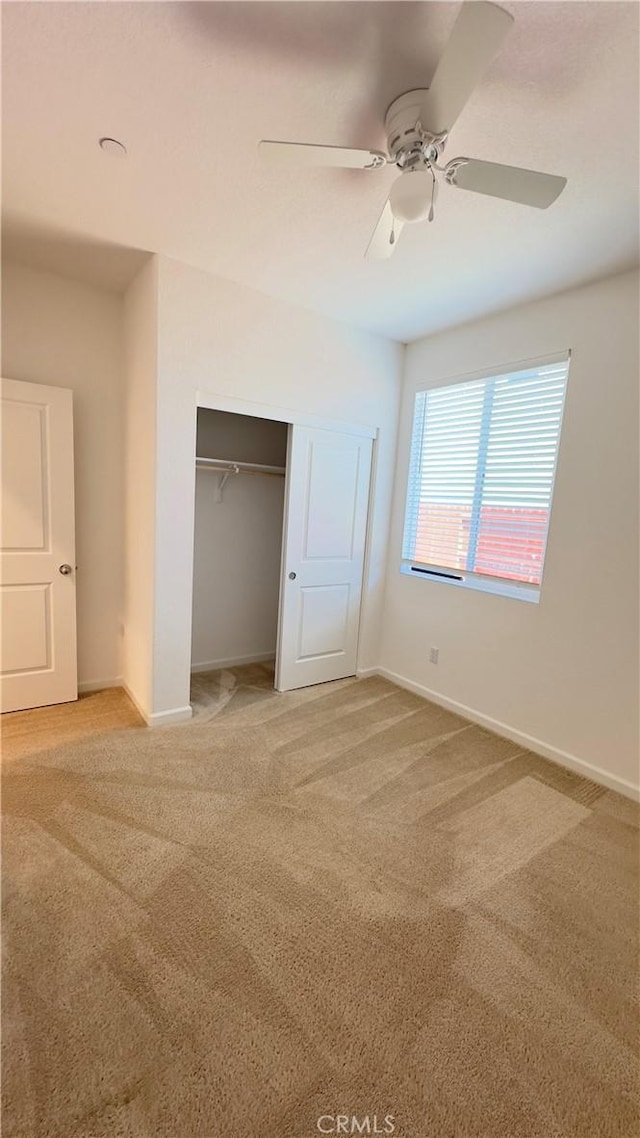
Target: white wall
<point>564,672</point>
<point>220,337</point>
<point>69,334</point>
<point>237,543</point>
<point>236,574</point>
<point>140,437</point>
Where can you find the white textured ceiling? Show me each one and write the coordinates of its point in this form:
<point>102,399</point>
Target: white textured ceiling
<point>191,88</point>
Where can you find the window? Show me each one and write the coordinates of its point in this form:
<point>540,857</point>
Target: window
<point>483,459</point>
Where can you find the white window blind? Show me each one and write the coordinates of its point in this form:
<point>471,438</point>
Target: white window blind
<point>483,458</point>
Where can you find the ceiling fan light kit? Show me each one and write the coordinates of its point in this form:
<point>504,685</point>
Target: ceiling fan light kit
<point>411,196</point>
<point>417,126</point>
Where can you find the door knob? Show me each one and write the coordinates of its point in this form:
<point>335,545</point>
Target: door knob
<point>65,570</point>
<point>292,576</point>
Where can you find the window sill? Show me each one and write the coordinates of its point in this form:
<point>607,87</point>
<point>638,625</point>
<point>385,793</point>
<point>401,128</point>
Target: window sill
<point>512,589</point>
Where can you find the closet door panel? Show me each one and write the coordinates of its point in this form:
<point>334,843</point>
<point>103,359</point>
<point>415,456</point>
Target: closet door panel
<point>328,476</point>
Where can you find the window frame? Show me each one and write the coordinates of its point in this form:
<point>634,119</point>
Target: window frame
<point>464,578</point>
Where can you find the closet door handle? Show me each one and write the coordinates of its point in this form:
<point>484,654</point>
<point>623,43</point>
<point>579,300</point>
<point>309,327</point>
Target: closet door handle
<point>292,576</point>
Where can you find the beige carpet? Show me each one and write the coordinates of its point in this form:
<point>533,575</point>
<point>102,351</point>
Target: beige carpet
<point>340,901</point>
<point>26,733</point>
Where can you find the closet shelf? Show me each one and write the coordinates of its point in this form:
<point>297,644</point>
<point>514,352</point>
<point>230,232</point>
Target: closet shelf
<point>233,467</point>
<point>225,467</point>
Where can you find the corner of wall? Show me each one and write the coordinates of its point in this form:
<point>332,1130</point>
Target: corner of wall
<point>140,401</point>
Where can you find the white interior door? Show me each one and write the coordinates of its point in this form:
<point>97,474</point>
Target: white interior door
<point>37,572</point>
<point>323,556</point>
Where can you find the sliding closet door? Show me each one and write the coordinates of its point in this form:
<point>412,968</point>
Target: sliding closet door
<point>323,558</point>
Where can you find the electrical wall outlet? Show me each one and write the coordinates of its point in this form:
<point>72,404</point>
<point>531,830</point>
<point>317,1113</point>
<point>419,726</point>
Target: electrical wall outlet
<point>433,655</point>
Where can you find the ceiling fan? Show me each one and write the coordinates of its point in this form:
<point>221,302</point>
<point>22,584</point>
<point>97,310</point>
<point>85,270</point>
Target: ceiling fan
<point>417,125</point>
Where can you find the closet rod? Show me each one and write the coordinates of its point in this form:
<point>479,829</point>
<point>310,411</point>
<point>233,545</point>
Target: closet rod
<point>232,467</point>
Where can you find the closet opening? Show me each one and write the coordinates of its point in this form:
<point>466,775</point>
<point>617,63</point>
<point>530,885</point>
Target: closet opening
<point>280,532</point>
<point>239,510</point>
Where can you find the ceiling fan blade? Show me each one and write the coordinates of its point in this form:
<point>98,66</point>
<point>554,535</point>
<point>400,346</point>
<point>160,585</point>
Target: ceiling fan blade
<point>509,182</point>
<point>474,42</point>
<point>308,154</point>
<point>385,235</point>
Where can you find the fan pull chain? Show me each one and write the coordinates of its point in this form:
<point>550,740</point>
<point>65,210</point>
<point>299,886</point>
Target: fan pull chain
<point>433,195</point>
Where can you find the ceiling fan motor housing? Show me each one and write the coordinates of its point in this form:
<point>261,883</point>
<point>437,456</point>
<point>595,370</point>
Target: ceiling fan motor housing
<point>410,143</point>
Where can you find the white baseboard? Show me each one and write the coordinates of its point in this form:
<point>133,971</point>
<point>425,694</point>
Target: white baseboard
<point>166,718</point>
<point>99,685</point>
<point>138,706</point>
<point>234,662</point>
<point>362,673</point>
<point>160,718</point>
<point>562,758</point>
